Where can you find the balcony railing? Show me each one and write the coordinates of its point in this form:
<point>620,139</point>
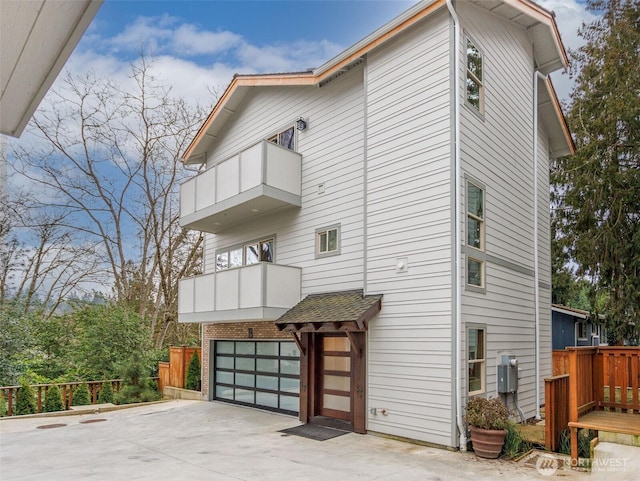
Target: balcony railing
<point>258,180</point>
<point>262,291</point>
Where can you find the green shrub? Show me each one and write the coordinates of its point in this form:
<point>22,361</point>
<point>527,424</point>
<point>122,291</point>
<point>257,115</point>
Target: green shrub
<point>136,385</point>
<point>53,400</point>
<point>514,445</point>
<point>25,400</point>
<point>193,373</point>
<point>81,395</point>
<point>106,393</point>
<point>565,442</point>
<point>3,405</point>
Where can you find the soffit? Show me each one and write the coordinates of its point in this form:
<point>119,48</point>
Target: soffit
<point>37,38</point>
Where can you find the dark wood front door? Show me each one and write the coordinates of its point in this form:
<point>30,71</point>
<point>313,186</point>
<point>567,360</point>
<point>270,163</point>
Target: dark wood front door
<point>334,381</point>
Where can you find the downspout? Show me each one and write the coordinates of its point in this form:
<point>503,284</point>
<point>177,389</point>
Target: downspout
<point>536,274</point>
<point>456,227</point>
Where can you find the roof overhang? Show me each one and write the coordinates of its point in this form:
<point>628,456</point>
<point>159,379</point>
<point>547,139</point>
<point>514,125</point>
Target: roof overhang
<point>37,38</point>
<point>569,311</point>
<point>540,24</point>
<point>348,311</point>
<point>553,120</point>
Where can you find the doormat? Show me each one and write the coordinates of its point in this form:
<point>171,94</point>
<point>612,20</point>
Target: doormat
<point>314,431</point>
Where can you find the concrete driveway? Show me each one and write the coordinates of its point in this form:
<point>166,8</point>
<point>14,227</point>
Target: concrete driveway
<point>194,440</point>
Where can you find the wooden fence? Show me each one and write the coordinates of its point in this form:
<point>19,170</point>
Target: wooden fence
<point>174,372</point>
<point>560,362</point>
<point>600,378</point>
<point>66,388</point>
<point>556,393</point>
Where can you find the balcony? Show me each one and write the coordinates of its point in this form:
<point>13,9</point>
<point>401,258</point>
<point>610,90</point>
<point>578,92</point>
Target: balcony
<point>262,291</point>
<point>257,181</point>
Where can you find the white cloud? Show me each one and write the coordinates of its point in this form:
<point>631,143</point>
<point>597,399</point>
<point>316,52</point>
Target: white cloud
<point>188,40</point>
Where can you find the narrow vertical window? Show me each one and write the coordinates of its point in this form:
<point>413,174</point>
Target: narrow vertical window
<point>475,91</point>
<point>476,358</point>
<point>475,234</point>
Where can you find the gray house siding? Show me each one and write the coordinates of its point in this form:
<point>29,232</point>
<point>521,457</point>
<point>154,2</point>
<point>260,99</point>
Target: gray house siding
<point>497,152</point>
<point>409,216</point>
<point>332,154</point>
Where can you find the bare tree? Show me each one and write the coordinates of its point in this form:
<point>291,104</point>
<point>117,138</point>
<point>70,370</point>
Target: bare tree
<point>39,262</point>
<point>110,160</point>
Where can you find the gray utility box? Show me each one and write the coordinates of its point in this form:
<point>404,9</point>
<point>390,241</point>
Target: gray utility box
<point>508,375</point>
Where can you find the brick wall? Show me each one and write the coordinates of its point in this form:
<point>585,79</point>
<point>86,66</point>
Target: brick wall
<point>234,330</point>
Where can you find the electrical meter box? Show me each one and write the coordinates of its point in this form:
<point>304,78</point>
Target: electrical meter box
<point>508,374</point>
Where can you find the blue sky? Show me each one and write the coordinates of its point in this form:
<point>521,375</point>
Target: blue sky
<point>199,45</point>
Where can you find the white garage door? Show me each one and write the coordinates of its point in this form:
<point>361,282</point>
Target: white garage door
<point>263,374</point>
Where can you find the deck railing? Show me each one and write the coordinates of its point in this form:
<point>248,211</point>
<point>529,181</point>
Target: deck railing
<point>603,378</point>
<point>556,391</point>
<point>66,388</point>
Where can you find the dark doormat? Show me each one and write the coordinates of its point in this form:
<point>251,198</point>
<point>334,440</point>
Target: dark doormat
<point>313,431</point>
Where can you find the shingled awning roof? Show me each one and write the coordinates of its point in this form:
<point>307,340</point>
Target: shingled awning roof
<point>347,311</point>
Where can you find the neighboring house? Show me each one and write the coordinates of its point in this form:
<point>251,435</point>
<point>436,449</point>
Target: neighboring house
<point>378,227</point>
<point>573,327</point>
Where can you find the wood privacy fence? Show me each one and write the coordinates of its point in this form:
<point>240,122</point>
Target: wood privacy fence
<point>591,379</point>
<point>66,388</point>
<point>174,372</point>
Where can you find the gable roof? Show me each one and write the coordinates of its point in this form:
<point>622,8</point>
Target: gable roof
<point>331,312</point>
<point>549,54</point>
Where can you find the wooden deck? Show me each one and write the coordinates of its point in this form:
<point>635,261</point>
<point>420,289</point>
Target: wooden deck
<point>610,422</point>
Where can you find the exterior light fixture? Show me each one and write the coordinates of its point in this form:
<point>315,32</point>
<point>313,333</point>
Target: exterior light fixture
<point>301,124</point>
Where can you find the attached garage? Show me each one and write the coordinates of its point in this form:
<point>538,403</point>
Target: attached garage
<point>264,374</point>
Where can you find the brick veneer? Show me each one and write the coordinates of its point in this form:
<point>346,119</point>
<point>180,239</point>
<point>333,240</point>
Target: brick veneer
<point>233,330</point>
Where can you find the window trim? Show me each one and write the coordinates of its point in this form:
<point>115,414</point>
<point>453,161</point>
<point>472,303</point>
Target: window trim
<point>243,245</point>
<point>479,110</point>
<point>337,250</point>
<point>476,254</point>
<point>483,361</point>
<point>275,138</point>
<point>586,331</point>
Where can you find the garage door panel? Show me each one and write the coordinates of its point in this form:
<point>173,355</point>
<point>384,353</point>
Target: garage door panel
<point>264,374</point>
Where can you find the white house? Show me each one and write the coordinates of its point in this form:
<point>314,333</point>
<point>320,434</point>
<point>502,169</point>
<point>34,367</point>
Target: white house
<point>378,227</point>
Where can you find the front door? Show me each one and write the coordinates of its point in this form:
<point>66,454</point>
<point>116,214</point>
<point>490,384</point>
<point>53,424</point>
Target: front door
<point>334,381</point>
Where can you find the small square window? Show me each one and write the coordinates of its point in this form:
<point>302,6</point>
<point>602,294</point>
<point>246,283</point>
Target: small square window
<point>328,241</point>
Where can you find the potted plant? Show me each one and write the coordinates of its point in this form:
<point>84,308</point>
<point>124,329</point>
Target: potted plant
<point>488,420</point>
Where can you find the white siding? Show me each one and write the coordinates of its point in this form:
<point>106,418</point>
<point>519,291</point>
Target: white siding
<point>409,215</point>
<point>497,151</point>
<point>332,153</point>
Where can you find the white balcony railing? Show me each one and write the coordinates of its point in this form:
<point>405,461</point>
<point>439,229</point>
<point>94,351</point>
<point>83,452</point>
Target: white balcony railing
<point>262,291</point>
<point>256,181</point>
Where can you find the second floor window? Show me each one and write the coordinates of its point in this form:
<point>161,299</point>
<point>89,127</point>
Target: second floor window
<point>475,74</point>
<point>286,138</point>
<point>328,241</point>
<point>475,234</point>
<point>245,255</point>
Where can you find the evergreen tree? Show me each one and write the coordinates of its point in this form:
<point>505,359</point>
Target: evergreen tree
<point>3,405</point>
<point>596,190</point>
<point>106,394</point>
<point>193,373</point>
<point>53,400</point>
<point>81,395</point>
<point>25,400</point>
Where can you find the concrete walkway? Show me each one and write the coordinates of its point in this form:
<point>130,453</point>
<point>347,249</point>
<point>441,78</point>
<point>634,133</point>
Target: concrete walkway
<point>198,440</point>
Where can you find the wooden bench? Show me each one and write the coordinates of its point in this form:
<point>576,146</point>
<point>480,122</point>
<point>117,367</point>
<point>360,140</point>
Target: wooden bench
<point>611,422</point>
